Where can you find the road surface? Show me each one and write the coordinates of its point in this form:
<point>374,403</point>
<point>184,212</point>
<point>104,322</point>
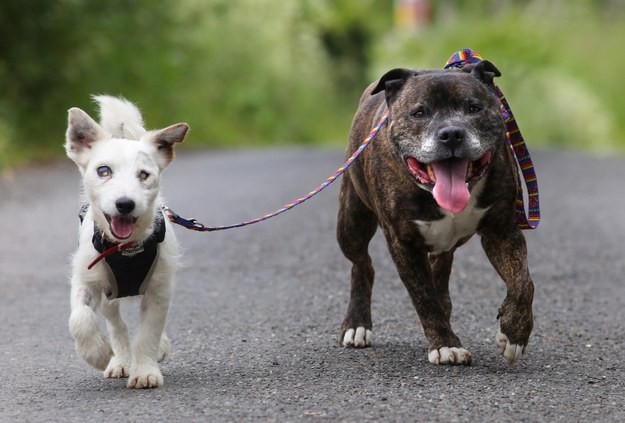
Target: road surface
<point>257,311</point>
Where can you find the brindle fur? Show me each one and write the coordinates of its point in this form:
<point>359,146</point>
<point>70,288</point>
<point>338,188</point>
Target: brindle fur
<point>379,190</point>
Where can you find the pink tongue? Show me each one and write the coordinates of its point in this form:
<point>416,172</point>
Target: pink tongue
<point>450,189</point>
<point>122,226</point>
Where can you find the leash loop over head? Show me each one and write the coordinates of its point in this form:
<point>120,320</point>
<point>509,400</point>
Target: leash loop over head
<point>517,146</point>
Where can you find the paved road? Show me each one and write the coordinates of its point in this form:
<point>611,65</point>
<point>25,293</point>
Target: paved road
<point>256,315</point>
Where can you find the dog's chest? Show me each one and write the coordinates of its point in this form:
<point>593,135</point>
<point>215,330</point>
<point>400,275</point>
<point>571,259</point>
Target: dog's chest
<point>443,234</point>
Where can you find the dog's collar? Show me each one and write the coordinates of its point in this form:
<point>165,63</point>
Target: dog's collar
<point>107,248</point>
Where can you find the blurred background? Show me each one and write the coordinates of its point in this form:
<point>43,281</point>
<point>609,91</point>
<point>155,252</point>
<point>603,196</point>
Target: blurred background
<point>269,72</point>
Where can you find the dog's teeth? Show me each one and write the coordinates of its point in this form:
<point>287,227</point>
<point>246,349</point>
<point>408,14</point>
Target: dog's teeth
<point>431,173</point>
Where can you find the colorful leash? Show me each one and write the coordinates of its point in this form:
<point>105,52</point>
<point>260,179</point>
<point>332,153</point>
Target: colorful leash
<point>517,146</point>
<point>193,224</point>
<point>513,135</point>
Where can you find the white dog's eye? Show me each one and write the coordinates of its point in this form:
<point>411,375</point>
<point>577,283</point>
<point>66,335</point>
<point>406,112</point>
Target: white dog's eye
<point>104,171</point>
<point>143,175</point>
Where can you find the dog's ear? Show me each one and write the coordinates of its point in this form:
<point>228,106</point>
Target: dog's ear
<point>82,132</point>
<point>164,140</point>
<point>392,81</point>
<point>483,70</point>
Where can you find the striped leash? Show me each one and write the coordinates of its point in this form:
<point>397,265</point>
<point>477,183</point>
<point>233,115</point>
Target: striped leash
<point>517,146</point>
<point>194,225</point>
<point>513,136</point>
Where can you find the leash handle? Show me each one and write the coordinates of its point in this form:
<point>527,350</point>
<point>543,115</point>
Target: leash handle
<point>517,145</point>
<point>194,225</point>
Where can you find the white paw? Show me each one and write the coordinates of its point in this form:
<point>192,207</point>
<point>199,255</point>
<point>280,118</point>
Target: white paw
<point>117,368</point>
<point>447,355</point>
<point>145,376</point>
<point>511,352</point>
<point>90,343</point>
<point>359,338</point>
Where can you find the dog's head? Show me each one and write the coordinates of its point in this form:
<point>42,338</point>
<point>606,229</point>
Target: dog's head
<point>445,127</point>
<point>121,176</point>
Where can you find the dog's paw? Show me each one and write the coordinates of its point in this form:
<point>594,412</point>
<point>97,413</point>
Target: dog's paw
<point>450,355</point>
<point>357,338</point>
<point>511,352</point>
<point>90,343</point>
<point>117,368</point>
<point>145,377</point>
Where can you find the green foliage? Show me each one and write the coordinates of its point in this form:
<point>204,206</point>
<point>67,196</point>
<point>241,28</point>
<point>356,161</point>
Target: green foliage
<point>256,72</point>
<point>560,64</point>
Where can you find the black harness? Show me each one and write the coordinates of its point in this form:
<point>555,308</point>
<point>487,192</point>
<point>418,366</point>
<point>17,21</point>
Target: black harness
<point>127,270</point>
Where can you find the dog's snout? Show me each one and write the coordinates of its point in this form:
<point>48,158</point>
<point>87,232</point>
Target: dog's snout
<point>125,205</point>
<point>452,136</point>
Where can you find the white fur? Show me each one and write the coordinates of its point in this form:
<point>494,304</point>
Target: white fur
<point>122,144</point>
<point>358,338</point>
<point>511,352</point>
<point>451,355</point>
<point>443,235</point>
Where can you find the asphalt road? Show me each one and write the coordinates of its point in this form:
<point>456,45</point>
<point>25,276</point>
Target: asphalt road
<point>257,311</point>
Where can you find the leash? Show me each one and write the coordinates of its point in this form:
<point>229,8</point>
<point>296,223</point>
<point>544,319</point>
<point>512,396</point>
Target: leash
<point>513,136</point>
<point>517,146</point>
<point>194,225</point>
<point>117,248</point>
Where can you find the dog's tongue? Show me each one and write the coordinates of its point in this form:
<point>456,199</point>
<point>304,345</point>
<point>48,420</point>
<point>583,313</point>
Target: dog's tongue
<point>122,226</point>
<point>450,190</point>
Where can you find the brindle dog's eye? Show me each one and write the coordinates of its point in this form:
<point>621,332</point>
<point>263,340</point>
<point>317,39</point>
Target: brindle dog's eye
<point>143,175</point>
<point>104,171</point>
<point>418,113</point>
<point>474,108</point>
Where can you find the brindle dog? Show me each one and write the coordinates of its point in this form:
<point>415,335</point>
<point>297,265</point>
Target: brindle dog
<point>438,172</point>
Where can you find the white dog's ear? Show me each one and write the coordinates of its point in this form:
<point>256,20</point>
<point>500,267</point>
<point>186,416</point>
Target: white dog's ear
<point>164,140</point>
<point>82,132</point>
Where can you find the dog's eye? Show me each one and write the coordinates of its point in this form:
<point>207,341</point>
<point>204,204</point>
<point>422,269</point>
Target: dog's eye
<point>143,175</point>
<point>104,171</point>
<point>474,108</point>
<point>420,112</point>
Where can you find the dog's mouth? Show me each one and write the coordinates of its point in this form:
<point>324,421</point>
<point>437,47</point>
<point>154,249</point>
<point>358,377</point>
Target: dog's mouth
<point>121,225</point>
<point>449,179</point>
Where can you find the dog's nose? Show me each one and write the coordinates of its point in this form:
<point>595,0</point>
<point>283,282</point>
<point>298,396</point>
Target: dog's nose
<point>125,205</point>
<point>452,136</point>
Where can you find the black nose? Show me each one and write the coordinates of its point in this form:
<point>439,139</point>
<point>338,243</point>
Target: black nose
<point>125,205</point>
<point>452,136</point>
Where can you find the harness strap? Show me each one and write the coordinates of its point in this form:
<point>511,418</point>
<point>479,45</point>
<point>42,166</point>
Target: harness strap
<point>517,146</point>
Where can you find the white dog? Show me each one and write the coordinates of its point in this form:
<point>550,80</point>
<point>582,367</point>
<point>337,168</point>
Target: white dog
<point>126,246</point>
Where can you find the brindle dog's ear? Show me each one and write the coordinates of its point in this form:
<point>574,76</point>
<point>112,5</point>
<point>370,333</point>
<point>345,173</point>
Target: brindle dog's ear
<point>392,81</point>
<point>483,70</point>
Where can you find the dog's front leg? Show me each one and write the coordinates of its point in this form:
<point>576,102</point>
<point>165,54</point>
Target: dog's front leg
<point>120,363</point>
<point>91,344</point>
<point>507,252</point>
<point>414,270</point>
<point>144,371</point>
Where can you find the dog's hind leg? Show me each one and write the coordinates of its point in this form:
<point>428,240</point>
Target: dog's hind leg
<point>147,346</point>
<point>120,363</point>
<point>355,227</point>
<point>91,343</point>
<point>163,347</point>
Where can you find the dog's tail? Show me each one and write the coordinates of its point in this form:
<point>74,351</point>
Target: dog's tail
<point>120,117</point>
